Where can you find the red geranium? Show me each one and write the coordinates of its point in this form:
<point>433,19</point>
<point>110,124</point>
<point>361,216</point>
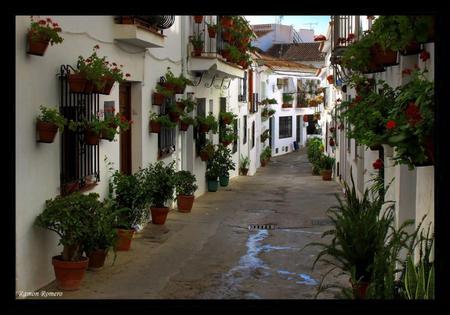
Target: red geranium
<point>412,113</point>
<point>406,72</point>
<point>424,55</point>
<point>378,164</point>
<point>391,124</point>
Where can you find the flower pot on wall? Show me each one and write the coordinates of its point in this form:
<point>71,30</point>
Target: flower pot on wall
<point>198,51</point>
<point>46,131</point>
<point>386,57</point>
<point>204,128</point>
<point>169,86</point>
<point>174,116</point>
<point>69,274</point>
<point>124,241</point>
<point>226,22</point>
<point>225,142</point>
<point>180,105</point>
<point>185,202</point>
<point>77,83</point>
<point>213,185</point>
<point>183,126</point>
<point>158,99</point>
<point>179,89</point>
<point>159,215</point>
<point>211,32</point>
<point>109,84</point>
<point>412,49</point>
<point>204,156</point>
<point>155,127</point>
<point>198,19</point>
<point>37,46</point>
<point>91,137</point>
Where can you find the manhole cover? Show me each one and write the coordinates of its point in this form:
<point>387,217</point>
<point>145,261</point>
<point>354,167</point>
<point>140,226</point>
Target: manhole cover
<point>321,221</point>
<point>268,226</point>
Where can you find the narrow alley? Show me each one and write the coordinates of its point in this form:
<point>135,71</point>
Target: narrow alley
<point>212,253</point>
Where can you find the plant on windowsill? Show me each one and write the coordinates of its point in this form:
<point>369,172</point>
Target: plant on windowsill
<point>197,42</point>
<point>225,160</point>
<point>410,124</point>
<point>67,217</point>
<point>288,98</point>
<point>208,123</point>
<point>244,164</point>
<point>48,123</point>
<point>185,187</point>
<point>158,181</point>
<point>42,33</point>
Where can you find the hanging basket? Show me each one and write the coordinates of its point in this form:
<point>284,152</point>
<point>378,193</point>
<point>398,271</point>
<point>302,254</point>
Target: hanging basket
<point>198,19</point>
<point>226,22</point>
<point>155,127</point>
<point>91,137</point>
<point>46,131</point>
<point>37,46</point>
<point>77,83</point>
<point>158,99</point>
<point>183,126</point>
<point>387,57</point>
<point>211,32</point>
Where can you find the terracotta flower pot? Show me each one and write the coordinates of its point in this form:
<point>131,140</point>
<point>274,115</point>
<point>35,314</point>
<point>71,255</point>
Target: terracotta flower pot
<point>159,215</point>
<point>183,126</point>
<point>109,84</point>
<point>227,120</point>
<point>69,274</point>
<point>226,54</point>
<point>105,136</point>
<point>326,174</point>
<point>99,88</point>
<point>226,22</point>
<point>185,203</point>
<point>382,57</point>
<point>198,19</point>
<point>169,86</point>
<point>198,51</point>
<point>412,49</point>
<point>37,46</point>
<point>360,289</point>
<point>211,32</point>
<point>244,171</point>
<point>179,89</point>
<point>158,98</point>
<point>225,142</point>
<point>89,87</point>
<point>155,127</point>
<point>124,241</point>
<point>331,142</point>
<point>77,83</point>
<point>91,137</point>
<point>46,131</point>
<point>263,163</point>
<point>204,128</point>
<point>180,105</point>
<point>305,118</point>
<point>97,259</point>
<point>174,116</point>
<point>204,156</point>
<point>226,36</point>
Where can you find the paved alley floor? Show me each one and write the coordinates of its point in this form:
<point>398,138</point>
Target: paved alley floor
<point>211,253</point>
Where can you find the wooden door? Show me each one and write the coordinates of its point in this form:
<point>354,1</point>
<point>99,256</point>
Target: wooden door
<point>125,137</point>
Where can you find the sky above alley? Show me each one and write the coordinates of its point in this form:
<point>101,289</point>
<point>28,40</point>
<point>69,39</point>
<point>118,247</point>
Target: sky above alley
<point>319,22</point>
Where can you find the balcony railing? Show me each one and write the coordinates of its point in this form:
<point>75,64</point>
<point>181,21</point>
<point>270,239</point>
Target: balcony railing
<point>153,23</point>
<point>345,30</point>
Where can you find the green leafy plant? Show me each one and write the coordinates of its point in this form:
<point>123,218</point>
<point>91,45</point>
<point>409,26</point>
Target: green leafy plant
<point>210,121</point>
<point>266,154</point>
<point>326,162</point>
<point>45,30</point>
<point>197,40</point>
<point>357,56</point>
<point>188,120</point>
<point>67,216</point>
<point>185,183</point>
<point>208,149</point>
<point>164,120</point>
<point>268,101</point>
<point>159,183</point>
<point>213,168</point>
<point>227,117</point>
<point>287,98</point>
<point>244,162</point>
<point>265,135</point>
<point>52,115</point>
<point>223,157</point>
<point>164,91</point>
<point>188,103</point>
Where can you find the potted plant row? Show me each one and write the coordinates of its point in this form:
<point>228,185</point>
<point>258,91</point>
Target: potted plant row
<point>265,156</point>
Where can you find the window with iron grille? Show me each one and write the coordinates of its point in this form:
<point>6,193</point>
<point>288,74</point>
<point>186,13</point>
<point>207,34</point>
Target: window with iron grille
<point>235,142</point>
<point>250,91</point>
<point>200,137</point>
<point>253,134</point>
<point>223,108</point>
<point>166,137</point>
<point>285,127</point>
<point>79,161</point>
<point>255,101</point>
<point>244,138</point>
<point>242,97</point>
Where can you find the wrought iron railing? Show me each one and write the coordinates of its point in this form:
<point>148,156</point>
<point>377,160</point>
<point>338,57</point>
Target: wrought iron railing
<point>155,23</point>
<point>212,47</point>
<point>345,30</point>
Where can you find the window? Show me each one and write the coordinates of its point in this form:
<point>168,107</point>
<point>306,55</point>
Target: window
<point>235,142</point>
<point>250,92</point>
<point>242,97</point>
<point>244,138</point>
<point>200,137</point>
<point>253,135</point>
<point>285,127</point>
<point>166,138</point>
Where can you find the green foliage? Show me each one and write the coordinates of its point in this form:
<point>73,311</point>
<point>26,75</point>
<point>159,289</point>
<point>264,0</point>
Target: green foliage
<point>68,217</point>
<point>52,115</point>
<point>189,103</point>
<point>326,162</point>
<point>266,154</point>
<point>413,113</point>
<point>314,148</point>
<point>213,168</point>
<point>164,91</point>
<point>188,119</point>
<point>208,149</point>
<point>268,101</point>
<point>159,183</point>
<point>357,56</point>
<point>229,116</point>
<point>223,158</point>
<point>287,98</point>
<point>244,162</point>
<point>180,81</point>
<point>185,183</point>
<point>45,30</point>
<point>210,121</point>
<point>197,40</point>
<point>165,121</point>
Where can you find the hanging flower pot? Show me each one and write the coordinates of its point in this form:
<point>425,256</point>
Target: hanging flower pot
<point>46,131</point>
<point>155,126</point>
<point>198,19</point>
<point>331,142</point>
<point>183,126</point>
<point>204,156</point>
<point>204,128</point>
<point>109,84</point>
<point>382,57</point>
<point>91,137</point>
<point>412,49</point>
<point>226,21</point>
<point>159,215</point>
<point>169,86</point>
<point>179,89</point>
<point>185,203</point>
<point>226,54</point>
<point>211,32</point>
<point>180,105</point>
<point>105,135</point>
<point>225,142</point>
<point>124,241</point>
<point>226,36</point>
<point>69,274</point>
<point>198,51</point>
<point>77,82</point>
<point>158,98</point>
<point>326,174</point>
<point>37,46</point>
<point>305,118</point>
<point>174,116</point>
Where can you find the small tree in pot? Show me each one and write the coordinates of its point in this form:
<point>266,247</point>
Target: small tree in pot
<point>67,216</point>
<point>212,174</point>
<point>224,158</point>
<point>159,184</point>
<point>185,188</point>
<point>48,123</point>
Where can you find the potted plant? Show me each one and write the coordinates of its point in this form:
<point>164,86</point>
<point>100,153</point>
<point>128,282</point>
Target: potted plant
<point>128,200</point>
<point>207,152</point>
<point>111,123</point>
<point>326,167</point>
<point>198,19</point>
<point>224,159</point>
<point>186,104</point>
<point>197,43</point>
<point>102,234</point>
<point>244,164</point>
<point>212,174</point>
<point>157,121</point>
<point>265,135</point>
<point>48,123</point>
<point>185,187</point>
<point>208,123</point>
<point>315,148</point>
<point>228,137</point>
<point>212,30</point>
<point>175,84</point>
<point>186,121</point>
<point>42,33</point>
<point>174,113</point>
<point>92,129</point>
<point>265,156</point>
<point>67,217</point>
<point>112,73</point>
<point>330,79</point>
<point>226,21</point>
<point>160,94</point>
<point>160,185</point>
<point>287,100</point>
<point>227,117</point>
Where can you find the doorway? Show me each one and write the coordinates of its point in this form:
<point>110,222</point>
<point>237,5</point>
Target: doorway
<point>125,137</point>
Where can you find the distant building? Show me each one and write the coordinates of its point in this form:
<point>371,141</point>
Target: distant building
<point>305,53</point>
<point>269,34</point>
<point>306,35</point>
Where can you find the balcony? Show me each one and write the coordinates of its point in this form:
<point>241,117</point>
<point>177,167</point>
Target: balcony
<point>212,56</point>
<point>142,31</point>
<point>345,29</point>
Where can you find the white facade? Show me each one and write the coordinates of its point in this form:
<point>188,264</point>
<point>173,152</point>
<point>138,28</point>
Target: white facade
<point>306,35</point>
<point>38,165</point>
<point>277,34</point>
